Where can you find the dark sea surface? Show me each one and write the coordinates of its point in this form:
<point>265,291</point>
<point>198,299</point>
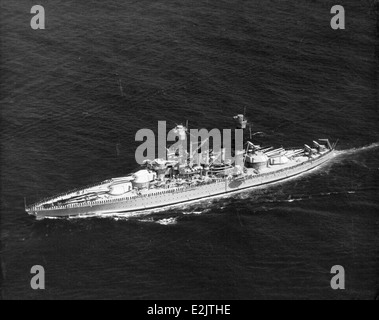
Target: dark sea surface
<point>65,123</point>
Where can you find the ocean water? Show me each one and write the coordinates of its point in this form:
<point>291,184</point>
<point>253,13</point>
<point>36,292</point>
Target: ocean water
<point>65,123</point>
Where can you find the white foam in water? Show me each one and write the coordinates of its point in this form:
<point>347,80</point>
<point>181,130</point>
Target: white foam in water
<point>50,218</point>
<point>146,220</point>
<point>167,221</point>
<point>360,149</point>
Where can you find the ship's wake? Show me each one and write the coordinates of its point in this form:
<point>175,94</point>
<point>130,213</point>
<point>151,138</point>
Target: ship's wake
<point>369,147</point>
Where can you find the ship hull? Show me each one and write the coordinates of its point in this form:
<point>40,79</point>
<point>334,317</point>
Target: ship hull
<point>172,198</point>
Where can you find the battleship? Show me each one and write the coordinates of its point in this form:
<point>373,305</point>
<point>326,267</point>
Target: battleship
<point>166,182</point>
